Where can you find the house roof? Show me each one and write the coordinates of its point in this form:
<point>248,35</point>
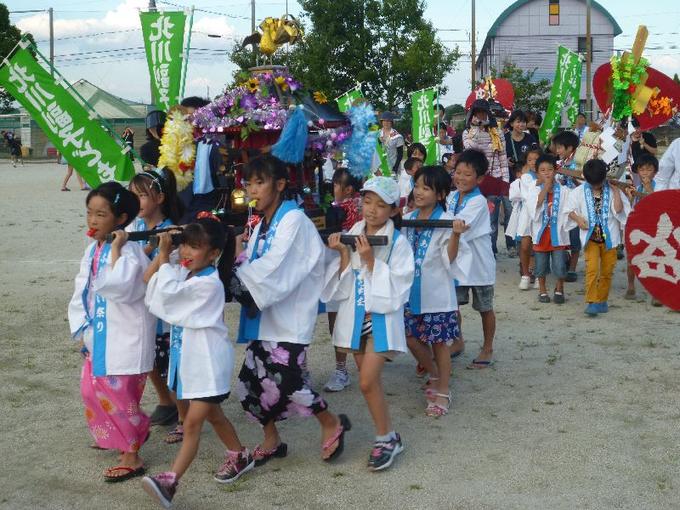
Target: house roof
<point>106,104</point>
<point>519,3</point>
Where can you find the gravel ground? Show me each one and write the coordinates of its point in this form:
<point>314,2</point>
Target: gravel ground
<point>576,412</point>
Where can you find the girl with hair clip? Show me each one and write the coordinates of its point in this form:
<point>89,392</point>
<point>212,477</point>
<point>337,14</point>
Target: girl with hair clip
<point>278,282</point>
<point>108,314</point>
<point>159,208</point>
<point>190,296</point>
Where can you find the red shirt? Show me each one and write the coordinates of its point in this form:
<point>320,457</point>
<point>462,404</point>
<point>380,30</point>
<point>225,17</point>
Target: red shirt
<point>544,243</point>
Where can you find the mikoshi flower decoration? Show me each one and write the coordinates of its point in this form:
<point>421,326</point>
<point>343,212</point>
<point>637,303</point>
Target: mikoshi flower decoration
<point>177,150</point>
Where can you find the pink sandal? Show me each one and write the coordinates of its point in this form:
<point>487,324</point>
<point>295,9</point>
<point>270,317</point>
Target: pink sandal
<point>435,410</point>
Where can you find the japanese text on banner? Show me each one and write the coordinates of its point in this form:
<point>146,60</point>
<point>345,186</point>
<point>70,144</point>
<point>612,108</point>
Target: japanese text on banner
<point>163,34</point>
<point>75,133</point>
<point>422,109</point>
<point>565,93</point>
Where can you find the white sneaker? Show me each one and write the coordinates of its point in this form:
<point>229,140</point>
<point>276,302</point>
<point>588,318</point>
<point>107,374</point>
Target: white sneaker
<point>525,283</point>
<point>536,285</point>
<point>338,381</point>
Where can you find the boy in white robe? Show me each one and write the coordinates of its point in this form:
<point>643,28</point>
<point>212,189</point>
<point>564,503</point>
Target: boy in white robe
<point>599,210</point>
<point>548,205</point>
<point>478,264</point>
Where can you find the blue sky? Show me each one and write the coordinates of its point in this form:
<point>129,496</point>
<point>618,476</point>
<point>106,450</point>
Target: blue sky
<point>100,40</point>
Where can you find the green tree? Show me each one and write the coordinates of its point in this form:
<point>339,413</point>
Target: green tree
<point>387,45</point>
<point>9,37</point>
<point>676,78</point>
<point>530,94</point>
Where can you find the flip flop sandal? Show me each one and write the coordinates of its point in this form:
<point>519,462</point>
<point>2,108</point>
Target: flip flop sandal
<point>263,456</point>
<point>434,410</point>
<point>129,473</point>
<point>479,364</point>
<point>339,436</point>
<point>176,435</point>
<point>454,355</point>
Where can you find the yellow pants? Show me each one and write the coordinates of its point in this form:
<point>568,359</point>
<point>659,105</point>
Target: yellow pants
<point>600,263</point>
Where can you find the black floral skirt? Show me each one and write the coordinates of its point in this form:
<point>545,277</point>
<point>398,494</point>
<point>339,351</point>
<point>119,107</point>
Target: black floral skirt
<point>273,383</point>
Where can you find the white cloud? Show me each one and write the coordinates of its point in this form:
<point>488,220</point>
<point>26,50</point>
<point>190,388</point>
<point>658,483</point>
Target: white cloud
<point>124,17</point>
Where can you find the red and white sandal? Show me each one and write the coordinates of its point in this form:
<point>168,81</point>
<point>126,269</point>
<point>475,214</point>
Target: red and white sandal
<point>435,410</point>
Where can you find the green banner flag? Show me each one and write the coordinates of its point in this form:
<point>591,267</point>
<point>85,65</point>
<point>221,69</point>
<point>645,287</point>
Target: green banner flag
<point>345,102</point>
<point>565,93</point>
<point>76,133</point>
<point>422,109</point>
<point>163,34</point>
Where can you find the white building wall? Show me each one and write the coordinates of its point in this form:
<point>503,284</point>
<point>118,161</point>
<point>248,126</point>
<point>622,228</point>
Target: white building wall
<point>527,39</point>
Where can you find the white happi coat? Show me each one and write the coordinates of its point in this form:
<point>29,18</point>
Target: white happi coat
<point>519,224</point>
<point>433,289</point>
<point>286,281</point>
<point>668,176</point>
<point>385,290</point>
<point>201,355</point>
<point>476,266</point>
<point>577,203</point>
<point>125,342</point>
<point>536,209</point>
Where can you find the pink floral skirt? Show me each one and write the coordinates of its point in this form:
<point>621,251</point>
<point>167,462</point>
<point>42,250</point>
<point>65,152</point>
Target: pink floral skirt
<point>274,383</point>
<point>112,410</point>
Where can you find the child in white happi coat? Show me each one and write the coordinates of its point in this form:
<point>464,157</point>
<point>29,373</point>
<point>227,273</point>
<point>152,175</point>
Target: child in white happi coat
<point>599,210</point>
<point>159,207</point>
<point>278,284</point>
<point>476,266</point>
<point>107,313</point>
<point>647,168</point>
<point>431,317</point>
<point>548,204</point>
<point>371,286</point>
<point>190,297</point>
<point>519,226</point>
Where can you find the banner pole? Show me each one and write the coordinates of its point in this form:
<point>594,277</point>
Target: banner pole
<point>185,63</point>
<point>70,87</point>
<point>348,91</point>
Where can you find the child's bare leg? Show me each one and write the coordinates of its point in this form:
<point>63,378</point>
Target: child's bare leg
<point>271,436</point>
<point>458,344</point>
<point>559,286</point>
<point>541,285</point>
<point>573,260</point>
<point>423,355</point>
<point>161,387</point>
<point>370,382</point>
<point>443,360</point>
<point>182,409</point>
<point>193,424</point>
<point>224,429</point>
<point>489,330</point>
<point>525,254</point>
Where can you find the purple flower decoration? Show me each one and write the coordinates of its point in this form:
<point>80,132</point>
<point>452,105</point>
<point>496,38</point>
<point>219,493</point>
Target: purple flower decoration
<point>248,102</point>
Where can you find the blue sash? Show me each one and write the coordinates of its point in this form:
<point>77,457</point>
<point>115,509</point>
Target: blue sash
<point>420,242</point>
<point>532,175</point>
<point>601,219</point>
<point>453,204</point>
<point>176,335</point>
<point>380,343</point>
<point>554,238</point>
<point>98,319</point>
<point>641,188</point>
<point>140,225</point>
<point>249,329</point>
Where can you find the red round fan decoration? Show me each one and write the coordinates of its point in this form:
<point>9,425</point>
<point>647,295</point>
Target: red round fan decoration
<point>648,120</point>
<point>653,245</point>
<point>504,93</point>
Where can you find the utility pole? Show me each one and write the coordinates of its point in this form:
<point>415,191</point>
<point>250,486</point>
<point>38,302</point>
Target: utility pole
<point>589,57</point>
<point>473,51</point>
<point>252,16</point>
<point>51,15</point>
